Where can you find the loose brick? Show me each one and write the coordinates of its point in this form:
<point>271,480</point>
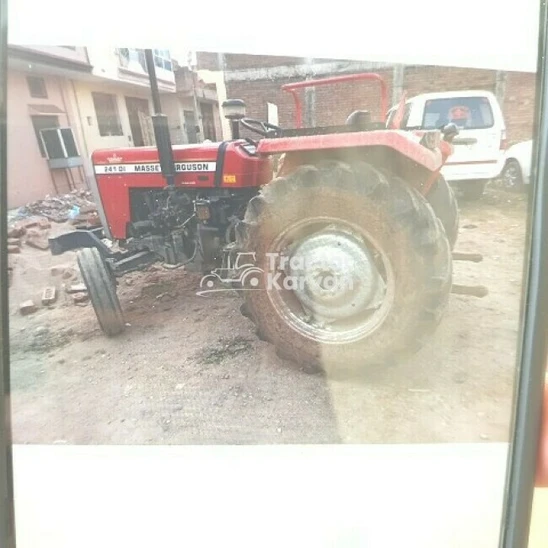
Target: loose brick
<point>36,239</point>
<point>44,224</point>
<point>68,273</point>
<point>86,209</point>
<point>14,241</point>
<point>79,219</point>
<point>49,295</point>
<point>28,223</point>
<point>76,288</point>
<point>57,270</point>
<point>79,298</point>
<point>14,249</point>
<point>27,307</point>
<point>16,232</point>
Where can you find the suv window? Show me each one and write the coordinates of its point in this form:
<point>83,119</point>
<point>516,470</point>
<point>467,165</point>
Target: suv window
<point>466,112</point>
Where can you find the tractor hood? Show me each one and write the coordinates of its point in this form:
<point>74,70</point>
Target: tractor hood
<point>226,166</point>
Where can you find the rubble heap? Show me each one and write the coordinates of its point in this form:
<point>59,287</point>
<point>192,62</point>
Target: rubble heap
<point>76,206</point>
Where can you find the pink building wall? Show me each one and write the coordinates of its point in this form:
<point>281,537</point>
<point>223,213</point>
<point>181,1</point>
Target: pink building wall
<point>29,177</point>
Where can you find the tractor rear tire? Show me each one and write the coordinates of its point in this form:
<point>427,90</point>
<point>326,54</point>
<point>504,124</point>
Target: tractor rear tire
<point>101,287</point>
<point>442,199</point>
<point>368,208</point>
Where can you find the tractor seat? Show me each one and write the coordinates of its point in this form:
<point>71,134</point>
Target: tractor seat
<point>359,120</point>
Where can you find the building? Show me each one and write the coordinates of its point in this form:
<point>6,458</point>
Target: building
<point>114,107</point>
<point>100,98</point>
<point>257,79</point>
<point>196,108</point>
<point>39,97</point>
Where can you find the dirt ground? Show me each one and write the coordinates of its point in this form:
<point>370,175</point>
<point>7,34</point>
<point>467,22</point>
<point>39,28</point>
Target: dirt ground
<point>190,370</point>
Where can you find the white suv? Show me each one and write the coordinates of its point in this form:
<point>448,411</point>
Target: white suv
<point>516,174</point>
<point>478,149</point>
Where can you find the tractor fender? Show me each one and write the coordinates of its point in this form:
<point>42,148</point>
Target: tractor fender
<point>405,143</point>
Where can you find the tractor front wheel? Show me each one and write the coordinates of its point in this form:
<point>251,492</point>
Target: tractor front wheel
<point>356,267</point>
<point>101,287</point>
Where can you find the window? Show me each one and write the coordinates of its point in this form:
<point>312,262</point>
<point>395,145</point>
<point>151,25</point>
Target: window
<point>106,110</point>
<point>37,87</point>
<point>162,59</point>
<point>133,59</point>
<point>60,143</point>
<point>67,136</point>
<point>466,112</point>
<point>43,122</point>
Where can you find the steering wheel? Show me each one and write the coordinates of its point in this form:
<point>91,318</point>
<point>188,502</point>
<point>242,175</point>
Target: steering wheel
<point>266,129</point>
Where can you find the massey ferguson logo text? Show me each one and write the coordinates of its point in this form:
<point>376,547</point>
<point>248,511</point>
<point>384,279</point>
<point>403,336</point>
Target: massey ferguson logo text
<point>192,167</point>
<point>180,167</point>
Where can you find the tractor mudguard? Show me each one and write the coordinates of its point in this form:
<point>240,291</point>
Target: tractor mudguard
<point>404,142</point>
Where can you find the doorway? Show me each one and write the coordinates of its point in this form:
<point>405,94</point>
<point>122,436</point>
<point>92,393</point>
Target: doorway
<point>190,126</point>
<point>208,121</point>
<point>136,108</point>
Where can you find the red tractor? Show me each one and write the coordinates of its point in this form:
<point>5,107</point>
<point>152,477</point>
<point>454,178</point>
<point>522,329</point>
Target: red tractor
<point>351,237</point>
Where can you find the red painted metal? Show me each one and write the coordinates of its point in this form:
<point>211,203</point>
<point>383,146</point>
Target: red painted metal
<point>446,150</point>
<point>404,142</point>
<point>240,170</point>
<point>398,117</point>
<point>291,88</point>
<point>298,107</point>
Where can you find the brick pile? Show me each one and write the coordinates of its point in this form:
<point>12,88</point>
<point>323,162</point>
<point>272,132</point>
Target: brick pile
<point>59,209</point>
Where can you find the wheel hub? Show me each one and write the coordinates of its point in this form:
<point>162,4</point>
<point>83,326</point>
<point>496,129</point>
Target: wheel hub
<point>334,275</point>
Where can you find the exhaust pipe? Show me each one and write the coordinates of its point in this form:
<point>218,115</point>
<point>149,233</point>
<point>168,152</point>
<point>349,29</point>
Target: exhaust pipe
<point>160,125</point>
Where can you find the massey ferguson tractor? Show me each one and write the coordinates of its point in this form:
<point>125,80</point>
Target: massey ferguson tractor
<point>349,240</point>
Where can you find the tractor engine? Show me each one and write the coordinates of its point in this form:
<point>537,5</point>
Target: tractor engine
<point>183,227</point>
<point>190,222</point>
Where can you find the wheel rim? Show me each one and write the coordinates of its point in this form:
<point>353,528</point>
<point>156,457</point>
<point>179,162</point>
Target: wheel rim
<point>512,176</point>
<point>329,280</point>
